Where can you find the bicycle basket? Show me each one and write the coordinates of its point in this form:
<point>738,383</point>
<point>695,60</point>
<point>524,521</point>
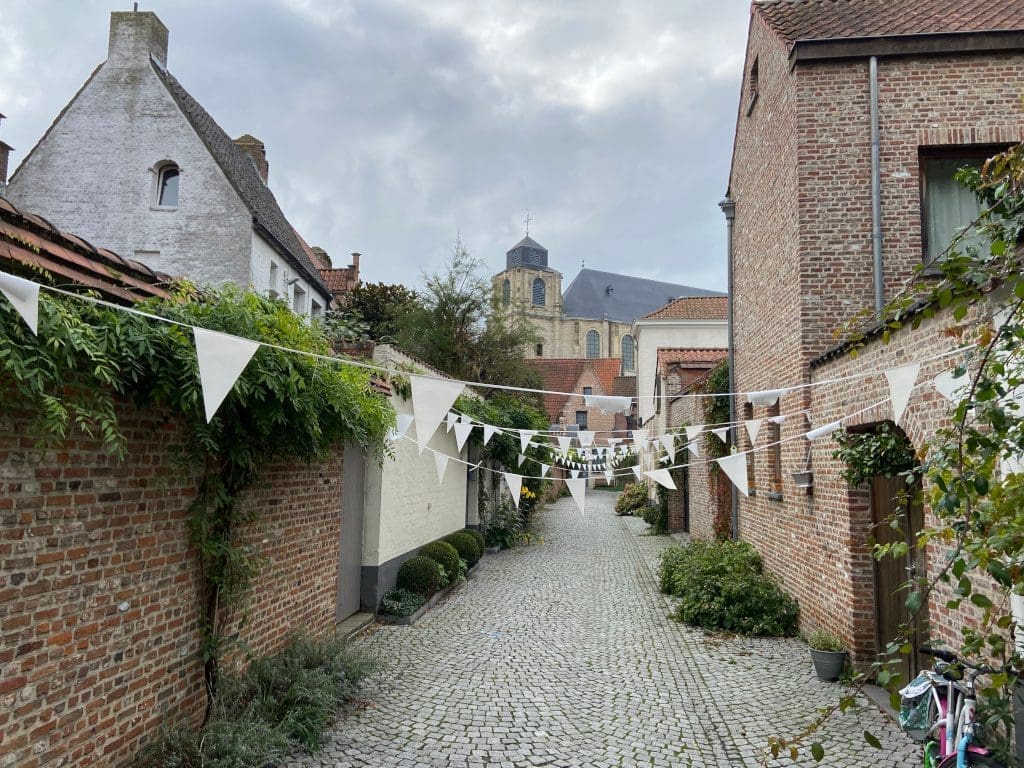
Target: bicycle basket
<point>915,699</point>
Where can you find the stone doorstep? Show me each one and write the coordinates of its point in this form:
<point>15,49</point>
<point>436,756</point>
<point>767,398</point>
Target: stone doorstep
<point>880,697</point>
<point>352,626</point>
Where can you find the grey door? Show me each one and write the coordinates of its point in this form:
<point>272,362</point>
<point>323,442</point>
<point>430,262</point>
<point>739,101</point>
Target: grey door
<point>351,530</point>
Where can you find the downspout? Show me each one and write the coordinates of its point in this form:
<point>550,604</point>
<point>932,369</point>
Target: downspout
<point>876,187</point>
<point>729,209</point>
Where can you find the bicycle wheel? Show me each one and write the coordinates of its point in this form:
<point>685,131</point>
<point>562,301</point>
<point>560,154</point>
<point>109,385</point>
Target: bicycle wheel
<point>973,759</point>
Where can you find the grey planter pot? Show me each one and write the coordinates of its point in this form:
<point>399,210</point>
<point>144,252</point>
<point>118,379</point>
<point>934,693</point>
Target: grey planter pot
<point>828,665</point>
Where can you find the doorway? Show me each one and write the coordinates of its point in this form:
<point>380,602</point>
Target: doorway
<point>351,543</point>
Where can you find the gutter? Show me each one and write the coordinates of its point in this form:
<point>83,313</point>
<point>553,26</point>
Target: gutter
<point>729,209</point>
<point>876,188</point>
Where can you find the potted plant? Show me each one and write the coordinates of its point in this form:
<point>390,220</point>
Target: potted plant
<point>827,653</point>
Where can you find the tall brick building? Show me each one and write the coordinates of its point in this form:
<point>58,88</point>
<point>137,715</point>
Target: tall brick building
<point>820,231</point>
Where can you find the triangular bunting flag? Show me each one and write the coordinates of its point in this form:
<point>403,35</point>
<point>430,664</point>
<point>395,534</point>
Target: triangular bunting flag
<point>901,384</point>
<point>694,447</point>
<point>402,423</point>
<point>24,296</point>
<point>574,473</point>
<point>578,489</point>
<point>753,429</point>
<point>613,441</point>
<point>722,433</point>
<point>609,477</point>
<point>765,397</point>
<point>489,433</point>
<point>777,419</point>
<point>441,463</point>
<point>662,477</point>
<point>450,420</point>
<point>640,438</point>
<point>586,438</point>
<point>462,430</point>
<point>515,486</point>
<point>735,468</point>
<point>544,469</point>
<point>607,403</point>
<point>222,358</point>
<point>520,459</point>
<point>668,442</point>
<point>637,471</point>
<point>953,388</point>
<point>431,399</point>
<point>693,431</point>
<point>827,429</point>
<point>524,438</point>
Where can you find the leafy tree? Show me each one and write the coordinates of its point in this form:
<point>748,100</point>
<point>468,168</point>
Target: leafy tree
<point>459,328</point>
<point>381,308</point>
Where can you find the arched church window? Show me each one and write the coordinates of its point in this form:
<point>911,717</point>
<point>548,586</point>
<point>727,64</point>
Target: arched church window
<point>593,344</point>
<point>538,292</point>
<point>628,353</point>
<point>506,292</point>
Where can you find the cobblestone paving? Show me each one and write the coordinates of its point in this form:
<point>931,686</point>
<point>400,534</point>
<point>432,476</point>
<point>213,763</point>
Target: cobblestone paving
<point>560,654</point>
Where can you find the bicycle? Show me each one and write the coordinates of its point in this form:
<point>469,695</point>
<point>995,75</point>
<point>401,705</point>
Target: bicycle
<point>939,707</point>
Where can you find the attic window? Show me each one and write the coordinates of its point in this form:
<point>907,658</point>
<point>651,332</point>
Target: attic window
<point>753,87</point>
<point>167,186</point>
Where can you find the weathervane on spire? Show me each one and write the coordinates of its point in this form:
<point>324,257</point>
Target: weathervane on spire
<point>527,221</point>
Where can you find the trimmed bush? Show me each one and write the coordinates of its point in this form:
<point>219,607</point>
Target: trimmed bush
<point>632,498</point>
<point>419,574</point>
<point>445,555</point>
<point>466,546</point>
<point>722,586</point>
<point>478,536</point>
<point>401,602</point>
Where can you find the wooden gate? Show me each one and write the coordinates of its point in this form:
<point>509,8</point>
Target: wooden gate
<point>891,495</point>
<point>351,544</point>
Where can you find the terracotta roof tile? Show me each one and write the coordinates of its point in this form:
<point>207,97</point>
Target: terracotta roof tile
<point>794,20</point>
<point>693,308</point>
<point>625,386</point>
<point>563,375</point>
<point>689,358</point>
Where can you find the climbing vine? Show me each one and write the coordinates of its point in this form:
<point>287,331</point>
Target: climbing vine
<point>882,452</point>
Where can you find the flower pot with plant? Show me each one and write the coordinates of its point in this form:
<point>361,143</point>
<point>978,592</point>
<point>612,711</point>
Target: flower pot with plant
<point>828,654</point>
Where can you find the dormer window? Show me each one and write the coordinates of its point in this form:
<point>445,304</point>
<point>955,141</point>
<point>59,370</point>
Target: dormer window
<point>167,186</point>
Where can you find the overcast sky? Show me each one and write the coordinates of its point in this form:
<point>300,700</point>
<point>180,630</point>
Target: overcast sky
<point>393,125</point>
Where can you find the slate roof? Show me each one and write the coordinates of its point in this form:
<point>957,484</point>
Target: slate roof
<point>241,173</point>
<point>794,20</point>
<point>588,296</point>
<point>693,308</point>
<point>30,242</point>
<point>563,375</point>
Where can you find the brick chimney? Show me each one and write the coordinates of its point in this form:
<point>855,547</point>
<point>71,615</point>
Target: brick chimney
<point>254,148</point>
<point>134,37</point>
<point>324,256</point>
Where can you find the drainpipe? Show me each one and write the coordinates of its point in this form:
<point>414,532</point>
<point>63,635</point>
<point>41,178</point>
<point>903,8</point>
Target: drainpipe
<point>729,209</point>
<point>876,187</point>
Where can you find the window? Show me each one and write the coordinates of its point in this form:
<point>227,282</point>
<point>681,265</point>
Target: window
<point>315,310</point>
<point>299,301</point>
<point>274,282</point>
<point>506,291</point>
<point>628,353</point>
<point>538,292</point>
<point>167,186</point>
<point>581,419</point>
<point>539,349</point>
<point>946,206</point>
<point>593,344</point>
<point>588,390</point>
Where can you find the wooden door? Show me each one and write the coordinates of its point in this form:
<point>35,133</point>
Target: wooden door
<point>890,495</point>
<point>351,544</point>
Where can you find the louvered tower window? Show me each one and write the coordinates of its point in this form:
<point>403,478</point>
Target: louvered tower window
<point>538,292</point>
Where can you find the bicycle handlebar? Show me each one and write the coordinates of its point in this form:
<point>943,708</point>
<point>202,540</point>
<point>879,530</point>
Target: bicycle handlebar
<point>950,657</point>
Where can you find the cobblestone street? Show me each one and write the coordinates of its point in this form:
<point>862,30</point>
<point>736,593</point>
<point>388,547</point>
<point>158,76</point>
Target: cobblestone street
<point>561,654</point>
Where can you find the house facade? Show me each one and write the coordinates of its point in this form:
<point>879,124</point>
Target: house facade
<point>821,230</point>
<point>134,163</point>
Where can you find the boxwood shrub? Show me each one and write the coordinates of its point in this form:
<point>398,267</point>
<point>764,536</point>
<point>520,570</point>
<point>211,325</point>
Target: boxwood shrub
<point>723,586</point>
<point>478,536</point>
<point>419,574</point>
<point>466,546</point>
<point>632,498</point>
<point>445,555</point>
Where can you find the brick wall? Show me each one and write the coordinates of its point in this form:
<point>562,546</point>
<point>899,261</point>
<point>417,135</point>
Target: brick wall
<point>707,487</point>
<point>98,588</point>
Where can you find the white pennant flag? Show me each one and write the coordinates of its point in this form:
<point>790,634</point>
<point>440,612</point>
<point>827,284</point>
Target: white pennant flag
<point>564,443</point>
<point>640,438</point>
<point>515,486</point>
<point>441,463</point>
<point>520,459</point>
<point>953,388</point>
<point>609,477</point>
<point>668,442</point>
<point>489,433</point>
<point>765,397</point>
<point>544,469</point>
<point>574,473</point>
<point>450,420</point>
<point>222,358</point>
<point>637,471</point>
<point>692,432</point>
<point>735,467</point>
<point>777,419</point>
<point>524,437</point>
<point>694,447</point>
<point>901,384</point>
<point>462,431</point>
<point>431,400</point>
<point>827,429</point>
<point>402,422</point>
<point>662,477</point>
<point>586,438</point>
<point>578,489</point>
<point>722,433</point>
<point>24,297</point>
<point>753,429</point>
<point>608,403</point>
<point>613,441</point>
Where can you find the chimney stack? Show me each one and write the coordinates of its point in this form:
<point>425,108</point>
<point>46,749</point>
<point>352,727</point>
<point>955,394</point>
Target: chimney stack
<point>5,156</point>
<point>134,37</point>
<point>323,256</point>
<point>354,266</point>
<point>254,148</point>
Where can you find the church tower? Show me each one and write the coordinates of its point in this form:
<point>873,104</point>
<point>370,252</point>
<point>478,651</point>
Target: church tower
<point>528,288</point>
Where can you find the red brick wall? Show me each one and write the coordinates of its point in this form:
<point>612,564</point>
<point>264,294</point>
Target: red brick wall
<point>709,488</point>
<point>802,266</point>
<point>98,588</point>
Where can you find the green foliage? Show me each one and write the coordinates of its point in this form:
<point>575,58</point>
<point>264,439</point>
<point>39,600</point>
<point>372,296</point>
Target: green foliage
<point>633,498</point>
<point>381,308</point>
<point>401,602</point>
<point>883,452</point>
<point>478,536</point>
<point>466,545</point>
<point>420,575</point>
<point>445,555</point>
<point>820,640</point>
<point>656,515</point>
<point>281,703</point>
<point>504,527</point>
<point>722,586</point>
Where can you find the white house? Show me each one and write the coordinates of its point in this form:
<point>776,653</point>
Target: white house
<point>135,164</point>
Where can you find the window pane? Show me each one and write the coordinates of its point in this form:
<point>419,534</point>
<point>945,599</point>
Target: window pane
<point>628,361</point>
<point>593,344</point>
<point>948,206</point>
<point>168,187</point>
<point>588,390</point>
<point>506,292</point>
<point>538,292</point>
<point>581,419</point>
